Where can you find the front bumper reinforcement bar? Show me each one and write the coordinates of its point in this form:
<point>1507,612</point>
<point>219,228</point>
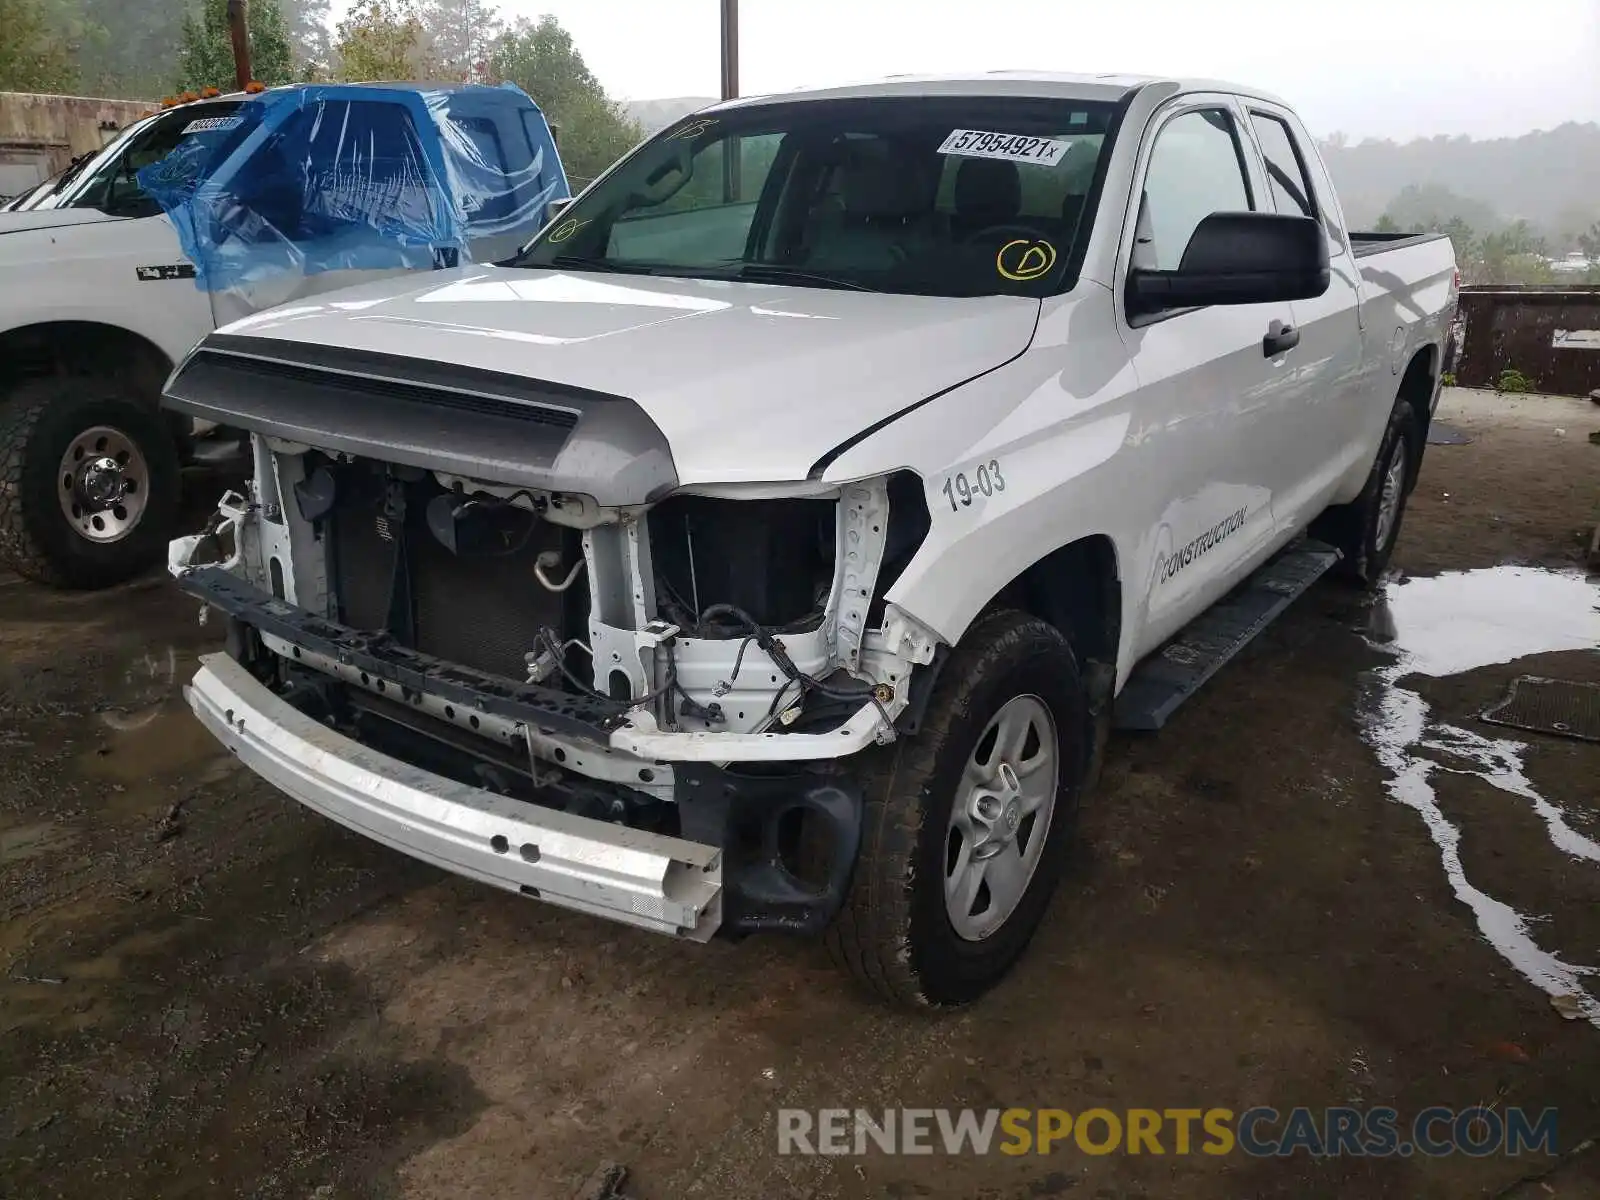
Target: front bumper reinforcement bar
<point>643,879</point>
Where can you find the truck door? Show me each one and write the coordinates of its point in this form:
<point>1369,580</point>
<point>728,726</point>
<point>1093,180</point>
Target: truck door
<point>1327,384</point>
<point>1209,390</point>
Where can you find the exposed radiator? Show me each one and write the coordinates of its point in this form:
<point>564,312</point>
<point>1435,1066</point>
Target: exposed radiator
<point>482,611</point>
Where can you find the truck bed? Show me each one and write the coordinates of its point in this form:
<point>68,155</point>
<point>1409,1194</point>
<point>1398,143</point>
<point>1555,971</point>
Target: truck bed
<point>1364,244</point>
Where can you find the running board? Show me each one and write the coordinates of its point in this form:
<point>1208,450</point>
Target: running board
<point>1175,672</point>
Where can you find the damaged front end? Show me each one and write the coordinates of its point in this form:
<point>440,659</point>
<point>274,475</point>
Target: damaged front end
<point>477,619</point>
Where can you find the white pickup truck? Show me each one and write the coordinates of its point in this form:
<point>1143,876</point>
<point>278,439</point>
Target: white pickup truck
<point>99,295</point>
<point>772,544</point>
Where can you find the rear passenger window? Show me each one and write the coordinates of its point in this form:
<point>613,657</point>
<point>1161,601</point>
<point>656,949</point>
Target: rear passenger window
<point>1196,169</point>
<point>1286,170</point>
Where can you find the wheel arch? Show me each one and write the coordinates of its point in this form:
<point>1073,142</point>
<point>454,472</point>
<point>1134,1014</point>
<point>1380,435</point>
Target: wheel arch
<point>1077,588</point>
<point>61,347</point>
<point>1417,387</point>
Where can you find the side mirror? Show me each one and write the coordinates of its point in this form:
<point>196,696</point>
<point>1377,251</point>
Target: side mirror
<point>555,206</point>
<point>1239,258</point>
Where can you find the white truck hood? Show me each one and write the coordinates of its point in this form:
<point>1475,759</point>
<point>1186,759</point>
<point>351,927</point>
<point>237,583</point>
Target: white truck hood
<point>52,218</point>
<point>748,382</point>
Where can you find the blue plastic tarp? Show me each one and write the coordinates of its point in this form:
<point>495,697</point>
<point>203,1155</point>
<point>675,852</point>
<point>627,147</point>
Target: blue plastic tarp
<point>304,180</point>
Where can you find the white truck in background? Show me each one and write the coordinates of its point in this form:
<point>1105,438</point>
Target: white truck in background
<point>98,297</point>
<point>771,545</point>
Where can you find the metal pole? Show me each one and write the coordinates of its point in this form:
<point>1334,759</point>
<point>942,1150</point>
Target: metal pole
<point>730,89</point>
<point>730,49</point>
<point>239,30</point>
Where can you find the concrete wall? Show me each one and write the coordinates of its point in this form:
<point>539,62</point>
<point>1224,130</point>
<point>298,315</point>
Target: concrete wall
<point>1549,333</point>
<point>39,135</point>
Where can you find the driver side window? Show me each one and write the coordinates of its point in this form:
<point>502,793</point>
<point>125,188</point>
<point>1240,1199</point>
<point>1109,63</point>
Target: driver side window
<point>1196,169</point>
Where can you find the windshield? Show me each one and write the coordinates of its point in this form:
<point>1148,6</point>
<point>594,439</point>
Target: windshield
<point>111,182</point>
<point>35,196</point>
<point>940,196</point>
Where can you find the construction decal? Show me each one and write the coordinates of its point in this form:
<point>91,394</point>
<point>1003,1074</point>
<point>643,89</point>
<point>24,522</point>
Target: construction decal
<point>1169,565</point>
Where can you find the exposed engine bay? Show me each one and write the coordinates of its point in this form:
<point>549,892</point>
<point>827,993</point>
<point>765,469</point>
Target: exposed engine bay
<point>712,629</point>
<point>465,608</point>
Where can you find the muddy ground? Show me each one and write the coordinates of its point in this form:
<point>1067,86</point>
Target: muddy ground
<point>206,992</point>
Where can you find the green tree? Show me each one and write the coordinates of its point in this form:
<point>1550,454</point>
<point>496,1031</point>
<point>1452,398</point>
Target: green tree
<point>1589,243</point>
<point>34,52</point>
<point>1523,239</point>
<point>541,59</point>
<point>1463,239</point>
<point>1386,224</point>
<point>1430,206</point>
<point>382,39</point>
<point>310,38</point>
<point>127,49</point>
<point>1512,255</point>
<point>205,55</point>
<point>460,36</point>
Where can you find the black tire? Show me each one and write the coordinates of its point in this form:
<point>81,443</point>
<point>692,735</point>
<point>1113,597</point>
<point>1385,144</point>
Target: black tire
<point>1353,527</point>
<point>893,932</point>
<point>39,421</point>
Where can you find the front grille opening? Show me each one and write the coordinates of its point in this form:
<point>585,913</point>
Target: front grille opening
<point>480,605</point>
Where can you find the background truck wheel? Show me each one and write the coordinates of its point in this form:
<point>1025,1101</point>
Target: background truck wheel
<point>968,825</point>
<point>88,482</point>
<point>1366,529</point>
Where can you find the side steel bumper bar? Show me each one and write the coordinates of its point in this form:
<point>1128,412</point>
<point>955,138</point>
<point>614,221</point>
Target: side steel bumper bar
<point>661,883</point>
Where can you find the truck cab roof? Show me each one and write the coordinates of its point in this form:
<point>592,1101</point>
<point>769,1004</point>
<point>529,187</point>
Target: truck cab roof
<point>1042,84</point>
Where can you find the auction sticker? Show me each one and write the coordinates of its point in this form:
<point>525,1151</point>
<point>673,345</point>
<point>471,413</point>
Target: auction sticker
<point>1013,147</point>
<point>211,124</point>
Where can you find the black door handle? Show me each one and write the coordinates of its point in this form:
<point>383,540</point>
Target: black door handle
<point>1280,339</point>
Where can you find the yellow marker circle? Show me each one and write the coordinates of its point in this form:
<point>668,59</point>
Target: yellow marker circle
<point>1024,261</point>
<point>566,229</point>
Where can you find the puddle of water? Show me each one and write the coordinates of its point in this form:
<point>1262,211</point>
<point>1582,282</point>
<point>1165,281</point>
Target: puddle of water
<point>168,742</point>
<point>1463,620</point>
<point>148,682</point>
<point>1447,625</point>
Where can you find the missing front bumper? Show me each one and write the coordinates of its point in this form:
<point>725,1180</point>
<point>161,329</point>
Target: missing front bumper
<point>729,873</point>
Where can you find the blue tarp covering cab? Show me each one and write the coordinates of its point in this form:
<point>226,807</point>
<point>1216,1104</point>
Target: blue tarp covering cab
<point>302,180</point>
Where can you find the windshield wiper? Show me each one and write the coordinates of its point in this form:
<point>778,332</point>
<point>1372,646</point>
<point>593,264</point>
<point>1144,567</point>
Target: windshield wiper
<point>776,273</point>
<point>577,262</point>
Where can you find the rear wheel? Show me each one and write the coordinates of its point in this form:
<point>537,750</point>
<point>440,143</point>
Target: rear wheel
<point>88,482</point>
<point>968,824</point>
<point>1366,530</point>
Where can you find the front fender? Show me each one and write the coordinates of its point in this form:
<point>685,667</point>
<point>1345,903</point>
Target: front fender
<point>1016,464</point>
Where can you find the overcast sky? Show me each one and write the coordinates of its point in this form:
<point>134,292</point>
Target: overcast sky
<point>1385,68</point>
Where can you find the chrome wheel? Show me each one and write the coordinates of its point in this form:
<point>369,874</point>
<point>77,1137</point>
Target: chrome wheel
<point>1394,488</point>
<point>1001,817</point>
<point>103,484</point>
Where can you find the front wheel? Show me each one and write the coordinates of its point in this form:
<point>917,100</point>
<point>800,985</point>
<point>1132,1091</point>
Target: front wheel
<point>89,482</point>
<point>968,825</point>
